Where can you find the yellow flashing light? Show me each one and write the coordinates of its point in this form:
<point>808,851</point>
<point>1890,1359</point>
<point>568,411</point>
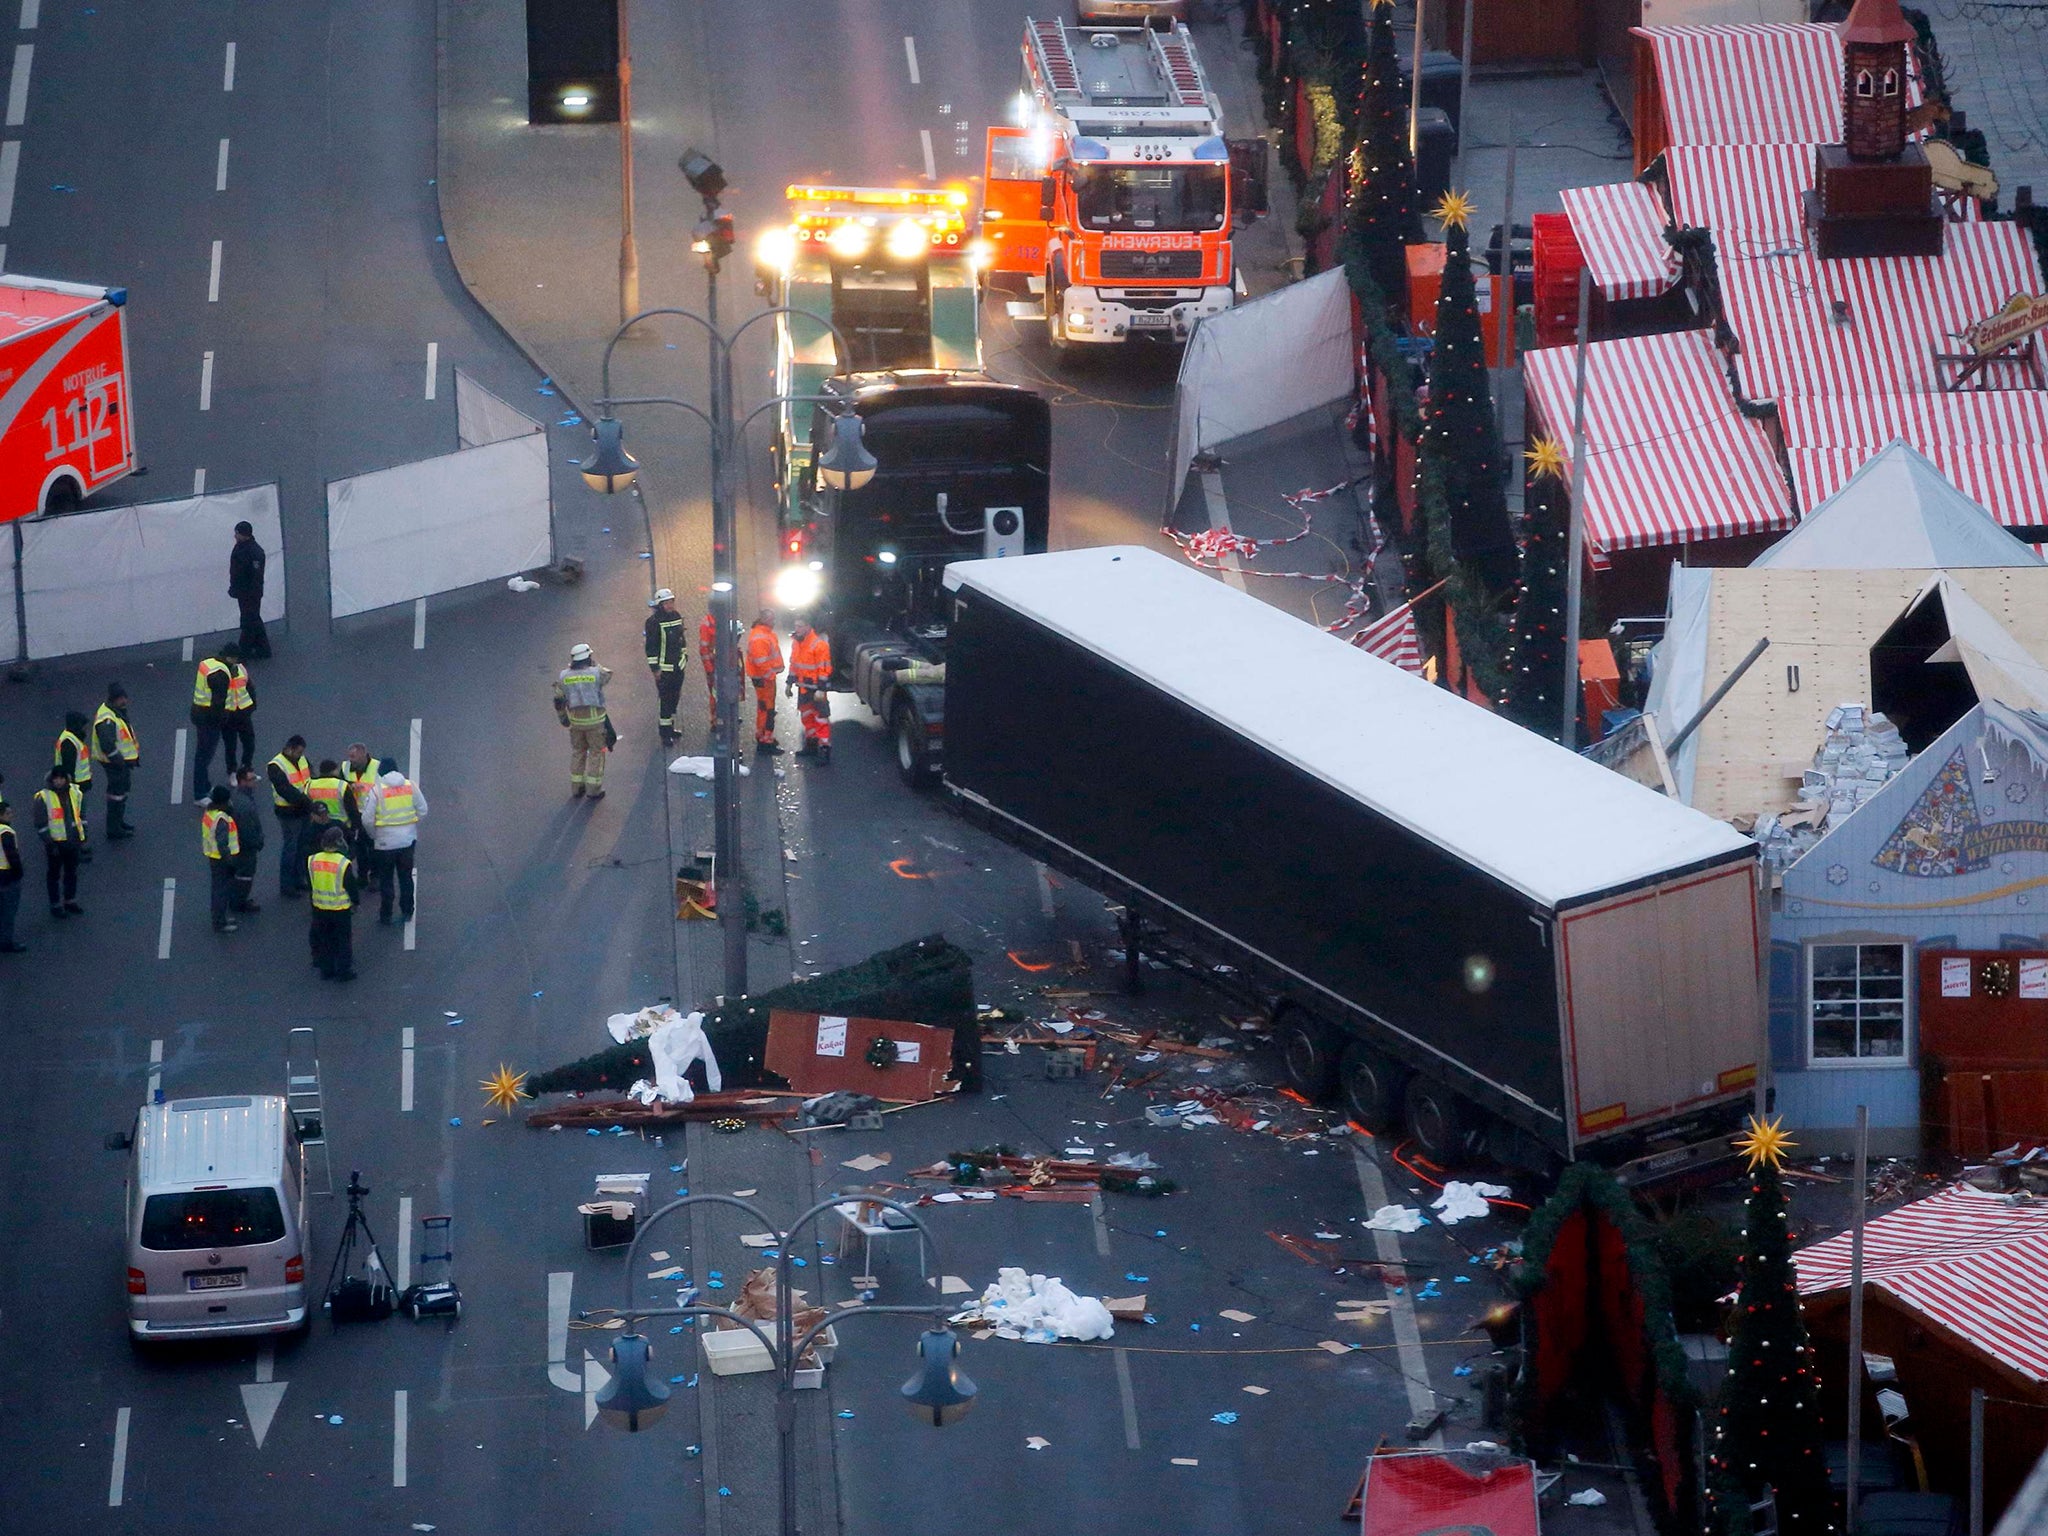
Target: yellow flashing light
<point>775,248</point>
<point>850,239</point>
<point>908,240</point>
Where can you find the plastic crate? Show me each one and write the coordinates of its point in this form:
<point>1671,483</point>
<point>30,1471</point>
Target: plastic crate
<point>734,1352</point>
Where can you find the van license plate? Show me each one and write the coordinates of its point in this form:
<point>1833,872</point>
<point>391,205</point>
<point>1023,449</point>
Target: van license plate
<point>218,1280</point>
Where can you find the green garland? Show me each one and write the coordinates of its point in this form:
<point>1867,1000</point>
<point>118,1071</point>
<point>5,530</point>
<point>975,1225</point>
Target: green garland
<point>1588,1186</point>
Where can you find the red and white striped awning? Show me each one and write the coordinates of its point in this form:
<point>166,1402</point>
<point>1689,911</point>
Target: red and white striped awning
<point>1897,313</point>
<point>1748,194</point>
<point>1768,84</point>
<point>1669,458</point>
<point>1970,1262</point>
<point>1991,444</point>
<point>1620,229</point>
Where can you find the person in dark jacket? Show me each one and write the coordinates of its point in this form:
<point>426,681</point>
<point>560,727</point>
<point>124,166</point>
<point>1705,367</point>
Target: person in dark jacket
<point>290,775</point>
<point>11,875</point>
<point>60,823</point>
<point>668,648</point>
<point>220,840</point>
<point>248,814</point>
<point>72,757</point>
<point>118,751</point>
<point>245,585</point>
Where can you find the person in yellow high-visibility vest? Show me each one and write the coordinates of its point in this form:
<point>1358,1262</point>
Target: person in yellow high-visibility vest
<point>119,750</point>
<point>579,705</point>
<point>393,814</point>
<point>334,885</point>
<point>220,839</point>
<point>60,823</point>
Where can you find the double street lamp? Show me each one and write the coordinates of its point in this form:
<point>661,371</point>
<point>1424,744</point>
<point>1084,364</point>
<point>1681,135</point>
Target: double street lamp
<point>636,1395</point>
<point>845,464</point>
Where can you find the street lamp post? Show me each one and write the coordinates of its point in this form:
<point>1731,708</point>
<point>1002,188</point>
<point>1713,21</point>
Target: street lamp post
<point>629,248</point>
<point>637,1395</point>
<point>611,469</point>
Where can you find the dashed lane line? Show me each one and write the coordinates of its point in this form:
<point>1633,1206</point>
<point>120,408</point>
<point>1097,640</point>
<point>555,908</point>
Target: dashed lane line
<point>206,381</point>
<point>1130,1397</point>
<point>931,165</point>
<point>433,367</point>
<point>1407,1337</point>
<point>31,14</point>
<point>227,70</point>
<point>156,1070</point>
<point>163,925</point>
<point>419,623</point>
<point>220,169</point>
<point>10,168</point>
<point>17,84</point>
<point>412,762</point>
<point>399,1415</point>
<point>117,1481</point>
<point>910,57</point>
<point>198,489</point>
<point>1219,518</point>
<point>405,1058</point>
<point>404,1272</point>
<point>213,276</point>
<point>178,752</point>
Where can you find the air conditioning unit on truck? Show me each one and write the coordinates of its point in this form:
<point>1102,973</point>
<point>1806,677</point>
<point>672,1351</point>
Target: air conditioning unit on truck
<point>1111,200</point>
<point>66,427</point>
<point>1464,930</point>
<point>897,271</point>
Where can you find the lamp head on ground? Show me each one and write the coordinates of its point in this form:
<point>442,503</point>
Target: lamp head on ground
<point>846,465</point>
<point>940,1391</point>
<point>635,1397</point>
<point>705,176</point>
<point>609,468</point>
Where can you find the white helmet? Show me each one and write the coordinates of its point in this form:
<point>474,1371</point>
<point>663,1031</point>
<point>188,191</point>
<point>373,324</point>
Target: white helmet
<point>580,652</point>
<point>663,596</point>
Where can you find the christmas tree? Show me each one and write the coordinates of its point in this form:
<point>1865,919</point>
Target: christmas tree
<point>1535,655</point>
<point>1381,216</point>
<point>1460,444</point>
<point>1768,1434</point>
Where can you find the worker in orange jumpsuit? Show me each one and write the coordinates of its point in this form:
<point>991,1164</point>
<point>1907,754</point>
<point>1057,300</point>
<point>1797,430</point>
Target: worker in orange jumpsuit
<point>707,653</point>
<point>764,665</point>
<point>810,671</point>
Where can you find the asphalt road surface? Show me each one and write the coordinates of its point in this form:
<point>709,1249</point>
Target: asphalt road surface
<point>539,916</point>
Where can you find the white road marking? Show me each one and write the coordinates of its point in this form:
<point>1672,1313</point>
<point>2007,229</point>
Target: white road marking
<point>405,1236</point>
<point>206,381</point>
<point>595,1377</point>
<point>260,1398</point>
<point>213,276</point>
<point>186,651</point>
<point>3,255</point>
<point>931,166</point>
<point>227,74</point>
<point>118,1482</point>
<point>17,84</point>
<point>1407,1337</point>
<point>31,13</point>
<point>178,752</point>
<point>412,924</point>
<point>266,1361</point>
<point>198,489</point>
<point>220,169</point>
<point>910,56</point>
<point>1101,1225</point>
<point>10,167</point>
<point>163,924</point>
<point>433,367</point>
<point>398,1429</point>
<point>1219,517</point>
<point>1123,1387</point>
<point>1044,889</point>
<point>412,765</point>
<point>561,1285</point>
<point>156,1069</point>
<point>405,1051</point>
<point>419,622</point>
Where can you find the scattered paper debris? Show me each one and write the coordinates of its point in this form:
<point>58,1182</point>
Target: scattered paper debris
<point>1186,1461</point>
<point>758,1239</point>
<point>1036,1443</point>
<point>1258,1391</point>
<point>1335,1348</point>
<point>665,1274</point>
<point>1128,1309</point>
<point>867,1162</point>
<point>1397,1218</point>
<point>1236,1316</point>
<point>953,1285</point>
<point>738,1194</point>
<point>1362,1311</point>
<point>658,1255</point>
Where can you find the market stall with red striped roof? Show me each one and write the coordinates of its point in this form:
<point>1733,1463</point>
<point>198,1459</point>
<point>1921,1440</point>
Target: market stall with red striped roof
<point>1670,460</point>
<point>1620,230</point>
<point>1991,444</point>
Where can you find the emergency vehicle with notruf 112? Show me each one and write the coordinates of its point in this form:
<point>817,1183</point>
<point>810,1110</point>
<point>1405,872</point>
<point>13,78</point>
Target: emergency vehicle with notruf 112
<point>66,426</point>
<point>896,270</point>
<point>1110,199</point>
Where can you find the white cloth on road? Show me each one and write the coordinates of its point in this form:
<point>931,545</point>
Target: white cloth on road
<point>1461,1201</point>
<point>1039,1309</point>
<point>674,1040</point>
<point>1396,1218</point>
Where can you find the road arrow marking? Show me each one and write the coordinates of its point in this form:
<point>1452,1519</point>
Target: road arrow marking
<point>560,1285</point>
<point>595,1378</point>
<point>259,1402</point>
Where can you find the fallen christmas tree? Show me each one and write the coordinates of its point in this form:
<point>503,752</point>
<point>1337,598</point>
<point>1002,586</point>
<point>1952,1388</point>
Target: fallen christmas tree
<point>927,981</point>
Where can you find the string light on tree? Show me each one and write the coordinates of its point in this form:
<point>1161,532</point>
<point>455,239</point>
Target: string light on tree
<point>1535,655</point>
<point>1768,1433</point>
<point>1380,214</point>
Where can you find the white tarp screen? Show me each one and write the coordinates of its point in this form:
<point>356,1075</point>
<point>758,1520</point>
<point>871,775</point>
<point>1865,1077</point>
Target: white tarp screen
<point>11,646</point>
<point>1259,364</point>
<point>154,571</point>
<point>439,524</point>
<point>482,418</point>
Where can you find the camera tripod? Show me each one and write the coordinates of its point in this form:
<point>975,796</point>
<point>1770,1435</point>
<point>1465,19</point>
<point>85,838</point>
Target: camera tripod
<point>353,1298</point>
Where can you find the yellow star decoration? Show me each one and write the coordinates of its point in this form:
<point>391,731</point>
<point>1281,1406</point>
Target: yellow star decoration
<point>1453,208</point>
<point>1547,458</point>
<point>504,1088</point>
<point>1766,1142</point>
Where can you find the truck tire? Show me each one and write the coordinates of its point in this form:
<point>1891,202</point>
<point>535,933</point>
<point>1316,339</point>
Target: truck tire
<point>1310,1049</point>
<point>1439,1124</point>
<point>1371,1084</point>
<point>913,757</point>
<point>1056,310</point>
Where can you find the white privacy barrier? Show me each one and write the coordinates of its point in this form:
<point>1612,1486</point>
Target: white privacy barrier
<point>1259,364</point>
<point>9,614</point>
<point>158,570</point>
<point>482,418</point>
<point>475,515</point>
